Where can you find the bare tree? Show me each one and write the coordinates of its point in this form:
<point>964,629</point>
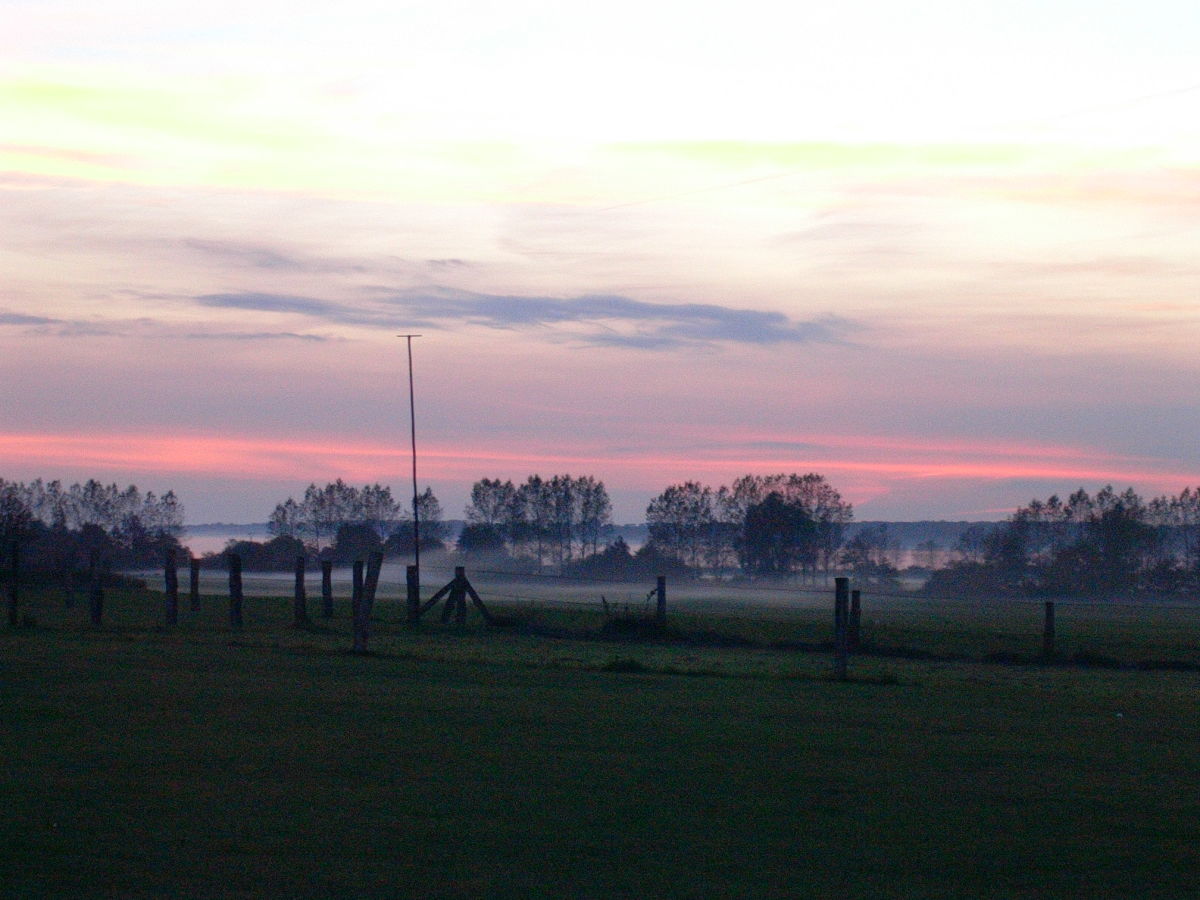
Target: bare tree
<point>681,521</point>
<point>595,512</point>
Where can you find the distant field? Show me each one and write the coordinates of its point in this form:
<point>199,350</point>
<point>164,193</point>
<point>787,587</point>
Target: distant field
<point>1157,634</point>
<point>545,762</point>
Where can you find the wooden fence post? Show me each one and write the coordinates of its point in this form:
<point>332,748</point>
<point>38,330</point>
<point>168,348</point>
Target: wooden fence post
<point>371,582</point>
<point>412,579</point>
<point>854,625</point>
<point>660,591</point>
<point>14,581</point>
<point>356,590</point>
<point>327,588</point>
<point>1048,631</point>
<point>171,583</point>
<point>194,583</point>
<point>362,618</point>
<point>235,592</point>
<point>841,615</point>
<point>95,590</point>
<point>300,600</point>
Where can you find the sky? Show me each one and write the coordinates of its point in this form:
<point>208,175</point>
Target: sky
<point>944,253</point>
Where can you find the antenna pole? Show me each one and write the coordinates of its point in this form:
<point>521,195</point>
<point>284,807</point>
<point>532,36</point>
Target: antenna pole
<point>412,421</point>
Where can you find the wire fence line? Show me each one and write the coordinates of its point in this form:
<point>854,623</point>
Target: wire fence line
<point>559,589</point>
<point>751,588</point>
<point>1122,632</point>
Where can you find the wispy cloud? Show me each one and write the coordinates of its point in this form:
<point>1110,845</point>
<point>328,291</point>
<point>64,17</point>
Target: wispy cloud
<point>600,319</point>
<point>144,327</point>
<point>255,336</point>
<point>257,257</point>
<point>278,303</point>
<point>11,318</point>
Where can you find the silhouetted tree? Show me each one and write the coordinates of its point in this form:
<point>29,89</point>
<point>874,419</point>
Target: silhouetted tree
<point>16,517</point>
<point>493,503</point>
<point>549,519</point>
<point>1100,545</point>
<point>594,510</point>
<point>354,540</point>
<point>615,561</point>
<point>811,493</point>
<point>482,539</point>
<point>682,520</point>
<point>137,528</point>
<point>777,537</point>
<point>323,510</point>
<point>433,529</point>
<point>276,555</point>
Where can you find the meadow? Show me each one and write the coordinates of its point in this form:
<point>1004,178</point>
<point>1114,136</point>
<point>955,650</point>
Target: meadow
<point>550,759</point>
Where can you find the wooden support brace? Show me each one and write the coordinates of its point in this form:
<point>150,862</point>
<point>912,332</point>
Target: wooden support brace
<point>475,598</point>
<point>432,601</point>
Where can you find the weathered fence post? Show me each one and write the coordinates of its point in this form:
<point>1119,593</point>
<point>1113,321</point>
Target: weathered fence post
<point>235,592</point>
<point>371,582</point>
<point>95,590</point>
<point>356,590</point>
<point>854,625</point>
<point>300,601</point>
<point>457,598</point>
<point>327,588</point>
<point>660,592</point>
<point>14,582</point>
<point>362,611</point>
<point>412,581</point>
<point>1048,631</point>
<point>171,583</point>
<point>194,582</point>
<point>841,616</point>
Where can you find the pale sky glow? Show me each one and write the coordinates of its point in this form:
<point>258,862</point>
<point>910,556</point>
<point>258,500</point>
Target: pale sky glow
<point>944,254</point>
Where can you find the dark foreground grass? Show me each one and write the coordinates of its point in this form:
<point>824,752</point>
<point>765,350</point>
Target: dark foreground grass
<point>203,763</point>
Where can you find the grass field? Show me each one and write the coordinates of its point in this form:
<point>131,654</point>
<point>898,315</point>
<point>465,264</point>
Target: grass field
<point>543,762</point>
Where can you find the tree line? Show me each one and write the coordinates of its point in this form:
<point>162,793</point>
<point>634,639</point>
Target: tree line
<point>66,529</point>
<point>777,525</point>
<point>544,521</point>
<point>554,520</point>
<point>342,523</point>
<point>771,525</point>
<point>1097,545</point>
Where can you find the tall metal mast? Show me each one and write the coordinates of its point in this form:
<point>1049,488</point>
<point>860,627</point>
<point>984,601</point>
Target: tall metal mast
<point>412,421</point>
